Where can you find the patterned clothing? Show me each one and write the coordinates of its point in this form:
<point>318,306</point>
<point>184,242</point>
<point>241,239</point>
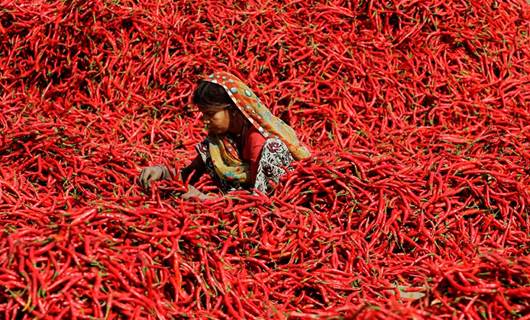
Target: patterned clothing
<point>274,160</point>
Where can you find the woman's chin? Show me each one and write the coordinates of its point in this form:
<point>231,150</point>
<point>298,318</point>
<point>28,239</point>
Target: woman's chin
<point>212,132</point>
<point>215,131</point>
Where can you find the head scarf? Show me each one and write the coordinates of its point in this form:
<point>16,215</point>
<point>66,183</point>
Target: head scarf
<point>223,151</point>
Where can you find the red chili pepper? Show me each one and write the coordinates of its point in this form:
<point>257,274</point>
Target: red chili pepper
<point>414,111</point>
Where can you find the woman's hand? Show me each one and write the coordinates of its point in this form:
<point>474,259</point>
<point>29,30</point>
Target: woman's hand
<point>153,173</point>
<point>193,193</point>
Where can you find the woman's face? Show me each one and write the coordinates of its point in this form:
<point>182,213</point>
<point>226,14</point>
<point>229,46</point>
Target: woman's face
<point>216,121</point>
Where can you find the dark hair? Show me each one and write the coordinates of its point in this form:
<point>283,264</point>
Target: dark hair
<point>209,94</point>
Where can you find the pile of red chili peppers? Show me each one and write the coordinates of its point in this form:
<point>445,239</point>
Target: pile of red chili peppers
<point>415,203</point>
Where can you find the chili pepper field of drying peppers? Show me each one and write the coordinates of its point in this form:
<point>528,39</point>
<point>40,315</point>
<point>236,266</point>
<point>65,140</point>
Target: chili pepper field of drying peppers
<point>414,204</point>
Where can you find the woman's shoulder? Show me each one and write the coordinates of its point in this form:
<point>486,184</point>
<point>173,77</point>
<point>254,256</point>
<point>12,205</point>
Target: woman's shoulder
<point>254,136</point>
<point>253,144</point>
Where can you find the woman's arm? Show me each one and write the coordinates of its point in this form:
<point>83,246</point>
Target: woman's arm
<point>190,175</point>
<point>252,152</point>
<point>193,172</point>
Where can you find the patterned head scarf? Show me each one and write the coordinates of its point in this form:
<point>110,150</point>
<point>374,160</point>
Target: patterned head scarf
<point>227,165</point>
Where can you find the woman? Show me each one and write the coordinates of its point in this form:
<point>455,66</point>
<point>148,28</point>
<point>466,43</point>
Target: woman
<point>247,147</point>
